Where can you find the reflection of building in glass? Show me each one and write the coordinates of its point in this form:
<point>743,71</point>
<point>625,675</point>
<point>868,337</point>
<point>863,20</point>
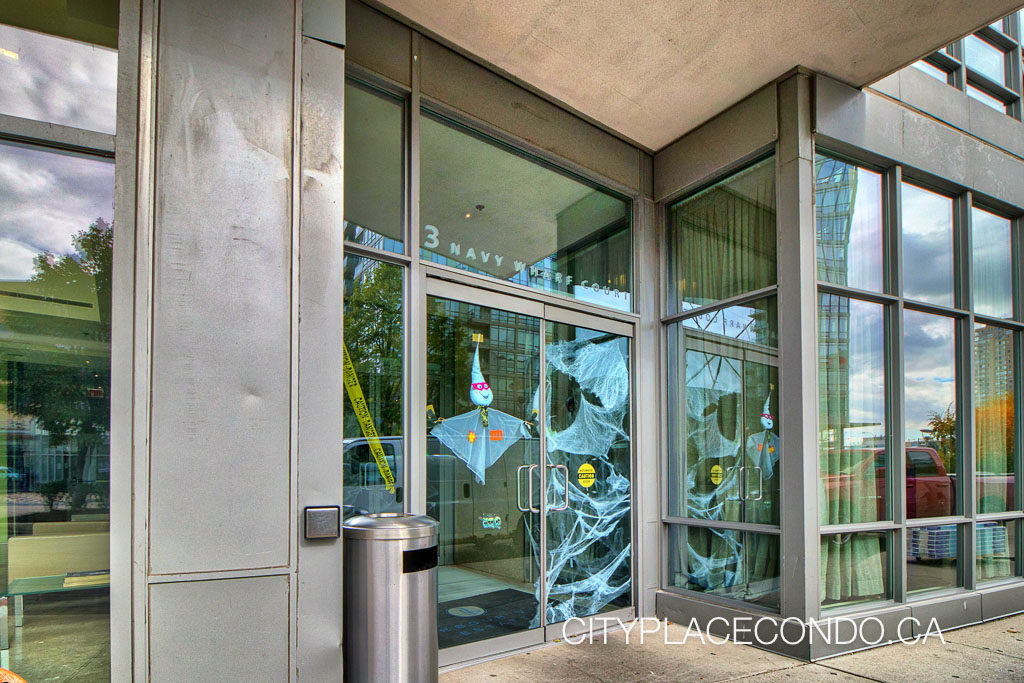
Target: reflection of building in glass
<point>835,191</point>
<point>993,366</point>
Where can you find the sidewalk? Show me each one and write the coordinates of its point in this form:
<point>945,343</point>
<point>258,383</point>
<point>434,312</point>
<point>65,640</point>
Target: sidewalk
<point>993,651</point>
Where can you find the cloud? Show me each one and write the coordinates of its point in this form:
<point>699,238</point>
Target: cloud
<point>58,80</point>
<point>45,198</point>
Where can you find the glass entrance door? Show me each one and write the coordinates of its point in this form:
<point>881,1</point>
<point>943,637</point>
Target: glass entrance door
<point>587,447</point>
<point>528,468</point>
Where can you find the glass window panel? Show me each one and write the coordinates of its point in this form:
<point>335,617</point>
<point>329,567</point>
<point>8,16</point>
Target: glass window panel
<point>57,80</point>
<point>932,70</point>
<point>927,245</point>
<point>992,258</point>
<point>722,240</point>
<point>985,98</point>
<point>724,426</point>
<point>848,220</point>
<point>374,338</point>
<point>488,209</point>
<point>56,237</point>
<point>730,564</point>
<point>995,550</point>
<point>851,398</point>
<point>994,374</point>
<point>854,568</point>
<point>932,558</point>
<point>985,58</point>
<point>930,424</point>
<point>373,168</point>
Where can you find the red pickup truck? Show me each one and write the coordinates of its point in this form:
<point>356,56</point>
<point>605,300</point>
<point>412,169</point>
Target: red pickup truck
<point>931,490</point>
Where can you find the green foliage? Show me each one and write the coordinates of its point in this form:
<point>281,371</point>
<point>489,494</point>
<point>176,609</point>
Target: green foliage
<point>943,427</point>
<point>374,338</point>
<point>52,490</point>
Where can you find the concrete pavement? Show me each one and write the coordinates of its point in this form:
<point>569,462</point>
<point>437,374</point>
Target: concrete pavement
<point>993,651</point>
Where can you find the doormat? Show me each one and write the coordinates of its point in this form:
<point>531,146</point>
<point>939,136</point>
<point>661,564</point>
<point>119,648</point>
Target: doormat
<point>489,615</point>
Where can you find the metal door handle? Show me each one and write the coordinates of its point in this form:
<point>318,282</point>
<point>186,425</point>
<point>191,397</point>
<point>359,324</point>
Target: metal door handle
<point>739,475</point>
<point>519,488</point>
<point>760,484</point>
<point>565,502</point>
<point>529,488</point>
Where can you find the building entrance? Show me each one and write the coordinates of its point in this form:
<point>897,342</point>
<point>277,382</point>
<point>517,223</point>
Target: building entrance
<point>528,467</point>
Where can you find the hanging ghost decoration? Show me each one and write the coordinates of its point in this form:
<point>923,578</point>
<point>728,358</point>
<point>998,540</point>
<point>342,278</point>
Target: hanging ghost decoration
<point>481,436</point>
<point>763,448</point>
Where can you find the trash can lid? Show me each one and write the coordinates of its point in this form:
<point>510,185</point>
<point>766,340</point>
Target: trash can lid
<point>390,526</point>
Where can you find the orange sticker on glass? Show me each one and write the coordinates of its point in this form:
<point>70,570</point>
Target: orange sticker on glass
<point>497,435</point>
<point>471,436</point>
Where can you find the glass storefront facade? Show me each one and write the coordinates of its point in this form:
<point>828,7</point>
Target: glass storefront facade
<point>56,273</point>
<point>723,380</point>
<point>523,442</point>
<point>917,385</point>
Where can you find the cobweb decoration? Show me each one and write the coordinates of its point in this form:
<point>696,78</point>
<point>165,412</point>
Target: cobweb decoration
<point>589,563</point>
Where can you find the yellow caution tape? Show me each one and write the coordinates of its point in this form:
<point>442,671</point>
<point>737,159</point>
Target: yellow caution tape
<point>355,395</point>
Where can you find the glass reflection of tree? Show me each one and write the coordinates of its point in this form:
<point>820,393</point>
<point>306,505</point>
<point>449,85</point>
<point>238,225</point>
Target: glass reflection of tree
<point>68,393</point>
<point>373,335</point>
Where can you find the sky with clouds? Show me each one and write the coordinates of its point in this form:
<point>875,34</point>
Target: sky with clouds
<point>47,196</point>
<point>927,246</point>
<point>57,80</point>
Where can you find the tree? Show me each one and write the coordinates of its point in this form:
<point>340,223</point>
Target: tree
<point>66,388</point>
<point>374,338</point>
<point>943,427</point>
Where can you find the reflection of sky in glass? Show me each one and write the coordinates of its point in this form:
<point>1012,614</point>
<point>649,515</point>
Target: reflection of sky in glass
<point>45,198</point>
<point>931,70</point>
<point>57,80</point>
<point>753,322</point>
<point>986,58</point>
<point>848,213</point>
<point>928,369</point>
<point>992,266</point>
<point>927,246</point>
<point>985,98</point>
<point>858,373</point>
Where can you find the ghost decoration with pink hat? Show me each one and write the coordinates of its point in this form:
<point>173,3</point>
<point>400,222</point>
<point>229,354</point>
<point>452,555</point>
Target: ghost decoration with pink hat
<point>481,436</point>
<point>763,447</point>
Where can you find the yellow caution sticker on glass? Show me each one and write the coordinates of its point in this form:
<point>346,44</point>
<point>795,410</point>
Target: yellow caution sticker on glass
<point>716,474</point>
<point>585,475</point>
<point>355,396</point>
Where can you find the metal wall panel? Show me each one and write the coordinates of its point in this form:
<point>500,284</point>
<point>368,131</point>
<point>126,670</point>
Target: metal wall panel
<point>225,630</point>
<point>731,137</point>
<point>220,480</point>
<point>321,391</point>
<point>378,43</point>
<point>869,122</point>
<point>483,94</point>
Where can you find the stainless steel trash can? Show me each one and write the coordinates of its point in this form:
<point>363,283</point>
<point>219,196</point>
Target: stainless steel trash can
<point>390,623</point>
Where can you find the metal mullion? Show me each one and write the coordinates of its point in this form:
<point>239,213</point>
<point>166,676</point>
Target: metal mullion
<point>858,527</point>
<point>1000,516</point>
<point>935,309</point>
<point>1004,323</point>
<point>56,136</point>
<point>964,354</point>
<point>542,418</point>
<point>853,293</point>
<point>937,521</point>
<point>993,88</point>
<point>750,527</point>
<point>1018,431</point>
<point>746,297</point>
<point>894,382</point>
<point>363,251</point>
<point>1017,266</point>
<point>363,76</point>
<point>416,316</point>
<point>959,76</point>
